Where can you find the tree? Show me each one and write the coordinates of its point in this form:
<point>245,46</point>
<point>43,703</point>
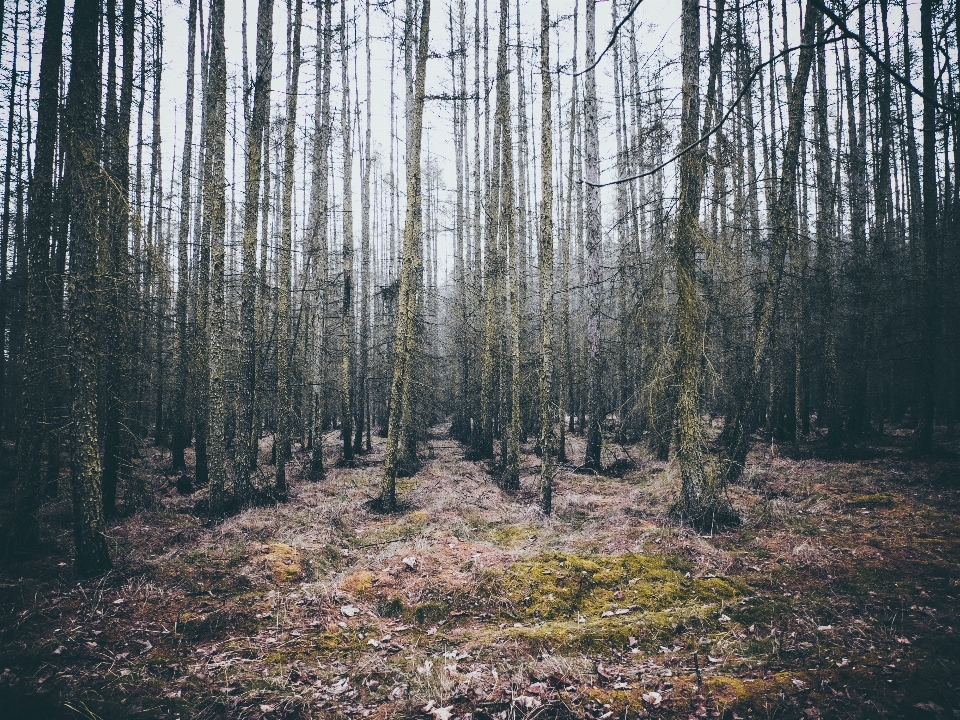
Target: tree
<point>282,436</point>
<point>214,207</point>
<point>81,138</point>
<point>247,432</point>
<point>545,263</point>
<point>594,242</point>
<point>401,424</point>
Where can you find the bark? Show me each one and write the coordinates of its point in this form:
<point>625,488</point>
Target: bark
<point>257,131</point>
<point>364,355</point>
<point>282,437</point>
<point>180,352</point>
<point>214,207</point>
<point>38,374</point>
<point>81,127</point>
<point>116,451</point>
<point>319,213</point>
<point>697,503</point>
<point>347,320</point>
<point>401,404</point>
<point>511,242</point>
<point>545,267</point>
<point>5,230</point>
<point>930,323</point>
<point>594,250</point>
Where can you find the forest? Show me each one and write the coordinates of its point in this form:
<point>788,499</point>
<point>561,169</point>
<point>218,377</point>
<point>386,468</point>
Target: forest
<point>487,360</point>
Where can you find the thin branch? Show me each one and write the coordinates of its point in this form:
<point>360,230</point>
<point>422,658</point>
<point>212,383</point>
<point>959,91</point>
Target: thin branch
<point>713,131</point>
<point>613,39</point>
<point>838,21</point>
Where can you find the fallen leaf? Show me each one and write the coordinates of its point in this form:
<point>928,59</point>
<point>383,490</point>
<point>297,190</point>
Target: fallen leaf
<point>621,686</point>
<point>266,708</point>
<point>349,610</point>
<point>652,697</point>
<point>342,685</point>
<point>373,643</point>
<point>527,701</point>
<point>713,659</point>
<point>410,562</point>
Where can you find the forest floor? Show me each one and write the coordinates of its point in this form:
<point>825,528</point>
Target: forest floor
<point>837,596</point>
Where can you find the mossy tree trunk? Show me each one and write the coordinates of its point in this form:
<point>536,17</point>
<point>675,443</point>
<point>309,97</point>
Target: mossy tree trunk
<point>214,207</point>
<point>81,138</point>
<point>401,424</point>
<point>282,436</point>
<point>247,430</point>
<point>545,266</point>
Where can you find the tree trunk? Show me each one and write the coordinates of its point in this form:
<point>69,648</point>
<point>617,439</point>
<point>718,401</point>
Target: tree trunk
<point>930,325</point>
<point>401,401</point>
<point>81,128</point>
<point>257,131</point>
<point>594,243</point>
<point>180,347</point>
<point>545,267</point>
<point>37,374</point>
<point>214,208</point>
<point>347,320</point>
<point>282,437</point>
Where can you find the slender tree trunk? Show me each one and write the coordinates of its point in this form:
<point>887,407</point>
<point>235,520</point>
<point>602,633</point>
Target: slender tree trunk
<point>545,267</point>
<point>362,369</point>
<point>511,244</point>
<point>257,132</point>
<point>83,103</point>
<point>37,373</point>
<point>930,324</point>
<point>347,320</point>
<point>320,189</point>
<point>181,341</point>
<point>282,437</point>
<point>214,207</point>
<point>116,347</point>
<point>401,403</point>
<point>594,248</point>
<point>695,500</point>
<point>5,230</point>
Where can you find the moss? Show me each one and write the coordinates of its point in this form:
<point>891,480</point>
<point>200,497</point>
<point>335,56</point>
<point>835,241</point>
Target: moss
<point>432,611</point>
<point>390,606</point>
<point>726,691</point>
<point>509,535</point>
<point>283,562</point>
<point>599,602</point>
<point>880,499</point>
<point>560,586</point>
<point>359,582</point>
